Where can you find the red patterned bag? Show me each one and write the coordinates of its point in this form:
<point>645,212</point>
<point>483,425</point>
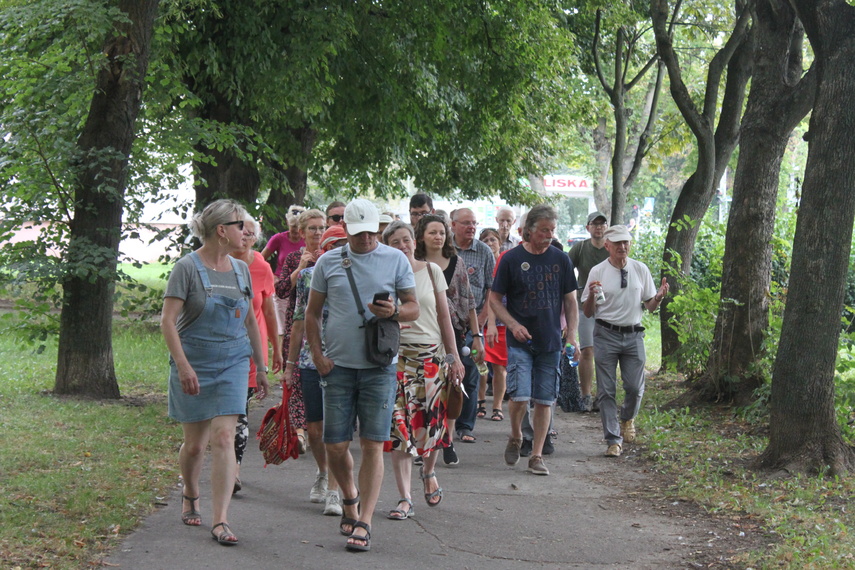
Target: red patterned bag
<point>277,438</point>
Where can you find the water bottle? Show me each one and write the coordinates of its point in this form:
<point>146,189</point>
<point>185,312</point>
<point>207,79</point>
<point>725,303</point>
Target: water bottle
<point>570,350</point>
<point>482,368</point>
<point>599,296</point>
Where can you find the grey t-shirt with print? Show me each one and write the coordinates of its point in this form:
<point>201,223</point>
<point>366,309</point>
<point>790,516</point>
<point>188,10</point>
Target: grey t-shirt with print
<point>186,284</point>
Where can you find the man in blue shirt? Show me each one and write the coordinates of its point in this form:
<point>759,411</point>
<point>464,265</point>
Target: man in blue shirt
<point>538,281</point>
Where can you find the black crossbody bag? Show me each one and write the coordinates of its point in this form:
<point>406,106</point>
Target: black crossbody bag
<point>382,336</point>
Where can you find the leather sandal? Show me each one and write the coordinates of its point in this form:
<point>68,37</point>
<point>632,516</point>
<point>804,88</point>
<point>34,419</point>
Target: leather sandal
<point>188,517</point>
<point>227,537</point>
<point>428,496</point>
<point>482,409</point>
<point>401,514</point>
<point>366,539</point>
<point>497,415</point>
<point>346,520</point>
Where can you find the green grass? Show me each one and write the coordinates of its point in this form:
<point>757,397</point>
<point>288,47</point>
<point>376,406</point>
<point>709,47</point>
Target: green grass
<point>707,452</point>
<point>78,474</point>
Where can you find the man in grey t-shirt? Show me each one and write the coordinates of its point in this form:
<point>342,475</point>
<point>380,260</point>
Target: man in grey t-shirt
<point>355,388</point>
<point>585,255</point>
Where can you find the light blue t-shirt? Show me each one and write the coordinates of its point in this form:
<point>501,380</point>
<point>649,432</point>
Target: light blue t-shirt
<point>383,269</point>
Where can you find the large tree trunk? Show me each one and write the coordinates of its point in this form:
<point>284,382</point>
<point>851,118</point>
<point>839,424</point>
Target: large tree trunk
<point>803,430</point>
<point>297,177</point>
<point>715,146</point>
<point>85,359</point>
<point>224,173</point>
<point>777,102</point>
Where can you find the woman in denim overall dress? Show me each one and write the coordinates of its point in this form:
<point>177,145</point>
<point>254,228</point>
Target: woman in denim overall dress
<point>211,332</point>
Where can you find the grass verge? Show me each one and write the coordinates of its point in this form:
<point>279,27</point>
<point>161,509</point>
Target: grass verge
<point>79,474</point>
<point>707,452</point>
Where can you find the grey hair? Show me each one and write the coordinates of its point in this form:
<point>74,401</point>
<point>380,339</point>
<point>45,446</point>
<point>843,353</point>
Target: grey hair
<point>204,224</point>
<point>506,208</point>
<point>539,212</point>
<point>394,227</point>
<point>257,233</point>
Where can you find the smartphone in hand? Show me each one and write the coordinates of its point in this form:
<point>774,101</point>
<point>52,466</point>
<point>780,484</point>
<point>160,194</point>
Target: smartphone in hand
<point>381,296</point>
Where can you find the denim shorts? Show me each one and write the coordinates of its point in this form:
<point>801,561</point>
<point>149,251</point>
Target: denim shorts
<point>533,375</point>
<point>313,396</point>
<point>365,394</point>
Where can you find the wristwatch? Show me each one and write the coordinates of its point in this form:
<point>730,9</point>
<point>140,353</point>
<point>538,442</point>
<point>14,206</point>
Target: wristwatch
<point>266,369</point>
<point>394,316</point>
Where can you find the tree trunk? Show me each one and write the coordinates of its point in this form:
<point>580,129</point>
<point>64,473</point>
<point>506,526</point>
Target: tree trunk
<point>224,173</point>
<point>777,102</point>
<point>715,146</point>
<point>85,358</point>
<point>803,430</point>
<point>297,177</point>
<point>603,149</point>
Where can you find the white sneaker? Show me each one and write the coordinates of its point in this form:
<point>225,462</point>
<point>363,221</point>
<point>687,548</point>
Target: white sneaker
<point>319,489</point>
<point>332,505</point>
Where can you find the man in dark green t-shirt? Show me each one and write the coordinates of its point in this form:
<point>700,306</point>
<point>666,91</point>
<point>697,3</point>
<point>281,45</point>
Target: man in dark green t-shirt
<point>585,255</point>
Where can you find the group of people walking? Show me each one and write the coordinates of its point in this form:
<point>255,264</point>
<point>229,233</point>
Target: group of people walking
<point>446,289</point>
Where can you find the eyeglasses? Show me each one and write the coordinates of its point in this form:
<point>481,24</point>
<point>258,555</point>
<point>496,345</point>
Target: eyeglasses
<point>623,276</point>
<point>598,224</point>
<point>417,214</point>
<point>316,228</point>
<point>336,217</point>
<point>238,223</point>
<point>470,224</point>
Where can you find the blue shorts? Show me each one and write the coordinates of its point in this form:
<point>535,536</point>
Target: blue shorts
<point>313,395</point>
<point>365,394</point>
<point>533,375</point>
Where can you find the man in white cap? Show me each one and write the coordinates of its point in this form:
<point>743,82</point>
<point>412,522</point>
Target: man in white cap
<point>585,255</point>
<point>618,291</point>
<point>355,388</point>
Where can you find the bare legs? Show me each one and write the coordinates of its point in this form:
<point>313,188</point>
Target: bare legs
<point>370,477</point>
<point>220,433</point>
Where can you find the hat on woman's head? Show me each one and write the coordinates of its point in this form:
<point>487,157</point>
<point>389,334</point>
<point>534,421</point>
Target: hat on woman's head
<point>332,235</point>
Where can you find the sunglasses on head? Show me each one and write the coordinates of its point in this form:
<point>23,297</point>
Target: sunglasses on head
<point>336,217</point>
<point>238,223</point>
<point>623,276</point>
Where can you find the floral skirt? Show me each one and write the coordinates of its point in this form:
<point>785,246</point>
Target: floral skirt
<point>419,421</point>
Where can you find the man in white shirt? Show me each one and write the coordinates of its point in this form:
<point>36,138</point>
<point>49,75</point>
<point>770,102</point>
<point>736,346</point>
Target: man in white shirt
<point>627,289</point>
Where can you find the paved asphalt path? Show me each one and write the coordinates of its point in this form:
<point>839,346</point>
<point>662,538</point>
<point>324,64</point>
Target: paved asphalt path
<point>586,514</point>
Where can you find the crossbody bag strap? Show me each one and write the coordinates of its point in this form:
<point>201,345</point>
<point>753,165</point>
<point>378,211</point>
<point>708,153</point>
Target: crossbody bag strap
<point>345,262</point>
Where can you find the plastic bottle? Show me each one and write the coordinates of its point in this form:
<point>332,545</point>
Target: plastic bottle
<point>482,368</point>
<point>570,350</point>
<point>599,296</point>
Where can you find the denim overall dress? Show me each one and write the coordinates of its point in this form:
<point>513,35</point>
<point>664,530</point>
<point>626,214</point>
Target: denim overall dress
<point>218,349</point>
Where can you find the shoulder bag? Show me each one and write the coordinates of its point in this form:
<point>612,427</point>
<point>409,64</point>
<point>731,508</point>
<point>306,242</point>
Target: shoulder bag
<point>382,336</point>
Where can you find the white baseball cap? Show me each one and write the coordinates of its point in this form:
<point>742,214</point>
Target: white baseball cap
<point>617,233</point>
<point>361,216</point>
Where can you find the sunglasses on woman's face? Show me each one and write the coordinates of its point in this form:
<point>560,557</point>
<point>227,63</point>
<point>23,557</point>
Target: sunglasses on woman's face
<point>238,223</point>
<point>336,217</point>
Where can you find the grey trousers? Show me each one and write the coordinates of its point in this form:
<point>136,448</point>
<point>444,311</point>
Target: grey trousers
<point>612,348</point>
